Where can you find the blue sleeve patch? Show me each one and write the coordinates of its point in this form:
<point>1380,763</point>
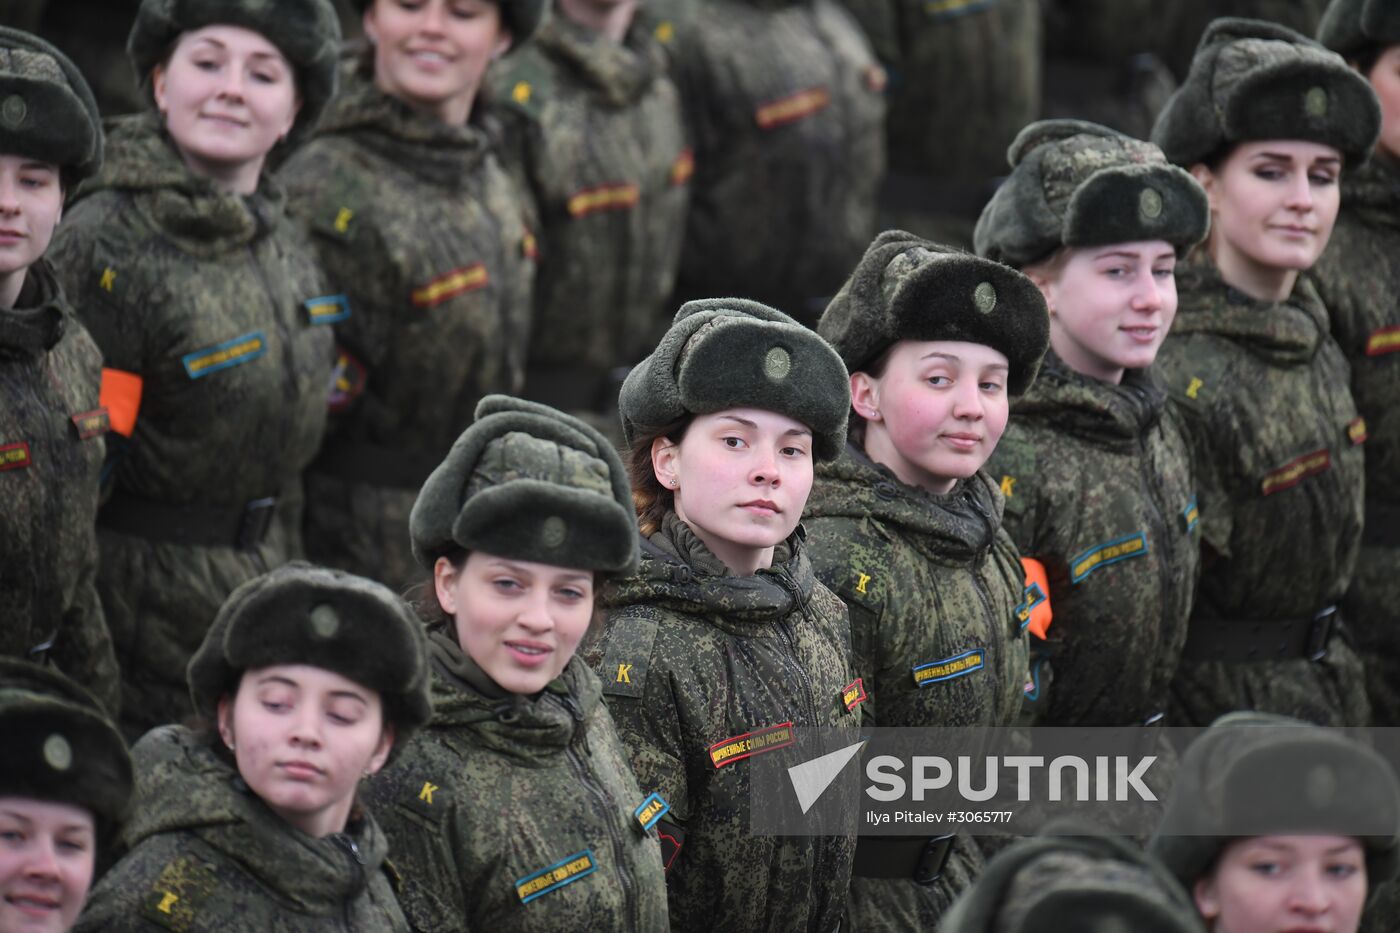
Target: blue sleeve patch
<point>651,810</point>
<point>1033,596</point>
<point>1191,515</point>
<point>959,665</point>
<point>1101,555</point>
<point>233,352</point>
<point>565,871</point>
<point>328,309</point>
<point>1032,690</point>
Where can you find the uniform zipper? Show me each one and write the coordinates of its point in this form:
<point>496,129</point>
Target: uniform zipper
<point>357,862</point>
<point>288,373</point>
<point>996,642</point>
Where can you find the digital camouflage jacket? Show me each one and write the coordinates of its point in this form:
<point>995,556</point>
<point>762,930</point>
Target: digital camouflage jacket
<point>697,665</point>
<point>51,450</point>
<point>423,236</point>
<point>214,301</point>
<point>204,854</point>
<point>1277,446</point>
<point>512,812</point>
<point>1100,488</point>
<point>933,584</point>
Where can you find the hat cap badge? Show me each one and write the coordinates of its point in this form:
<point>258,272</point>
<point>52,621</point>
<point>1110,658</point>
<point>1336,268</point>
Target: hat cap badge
<point>553,531</point>
<point>325,621</point>
<point>13,110</point>
<point>777,364</point>
<point>58,753</point>
<point>1315,102</point>
<point>984,296</point>
<point>1150,204</point>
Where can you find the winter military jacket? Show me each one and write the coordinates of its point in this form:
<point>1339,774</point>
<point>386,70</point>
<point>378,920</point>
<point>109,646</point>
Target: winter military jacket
<point>1100,488</point>
<point>216,303</point>
<point>933,584</point>
<point>1357,278</point>
<point>1277,444</point>
<point>703,672</point>
<point>206,854</point>
<point>51,449</point>
<point>423,237</point>
<point>603,145</point>
<point>514,812</point>
<point>783,98</point>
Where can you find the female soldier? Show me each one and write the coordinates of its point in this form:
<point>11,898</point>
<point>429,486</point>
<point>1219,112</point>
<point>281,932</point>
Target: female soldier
<point>65,781</point>
<point>516,809</point>
<point>725,645</point>
<point>1095,466</point>
<point>1358,278</point>
<point>1267,121</point>
<point>204,298</point>
<point>907,529</point>
<point>1276,825</point>
<point>423,235</point>
<point>51,418</point>
<point>309,679</point>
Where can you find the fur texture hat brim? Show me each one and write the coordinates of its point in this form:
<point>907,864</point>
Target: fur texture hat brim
<point>521,17</point>
<point>53,121</point>
<point>1349,27</point>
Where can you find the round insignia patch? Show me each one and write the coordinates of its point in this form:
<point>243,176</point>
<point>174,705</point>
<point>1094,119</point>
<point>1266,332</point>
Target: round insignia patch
<point>553,531</point>
<point>777,364</point>
<point>1150,204</point>
<point>1321,786</point>
<point>325,621</point>
<point>984,296</point>
<point>1315,102</point>
<point>58,753</point>
<point>14,110</point>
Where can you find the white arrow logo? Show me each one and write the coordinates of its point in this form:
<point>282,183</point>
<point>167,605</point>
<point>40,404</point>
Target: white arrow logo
<point>811,778</point>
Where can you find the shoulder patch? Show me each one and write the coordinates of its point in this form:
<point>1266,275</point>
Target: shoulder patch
<point>327,309</point>
<point>618,196</point>
<point>1191,516</point>
<point>348,378</point>
<point>683,168</point>
<point>791,108</point>
<point>92,424</point>
<point>650,811</point>
<point>14,456</point>
<point>624,666</point>
<point>1110,552</point>
<point>224,355</point>
<point>1356,431</point>
<point>428,800</point>
<point>959,665</point>
<point>175,899</point>
<point>565,871</point>
<point>758,742</point>
<point>1295,471</point>
<point>450,284</point>
<point>1383,341</point>
<point>853,694</point>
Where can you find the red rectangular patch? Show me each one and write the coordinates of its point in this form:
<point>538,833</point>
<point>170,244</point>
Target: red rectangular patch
<point>1385,340</point>
<point>619,197</point>
<point>1356,431</point>
<point>14,456</point>
<point>1295,471</point>
<point>450,285</point>
<point>853,694</point>
<point>529,246</point>
<point>792,108</point>
<point>728,751</point>
<point>92,423</point>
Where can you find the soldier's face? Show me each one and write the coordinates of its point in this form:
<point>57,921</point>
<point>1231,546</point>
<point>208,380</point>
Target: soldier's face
<point>47,852</point>
<point>228,95</point>
<point>1385,80</point>
<point>432,54</point>
<point>520,621</point>
<point>1273,205</point>
<point>31,202</point>
<point>741,478</point>
<point>1273,884</point>
<point>936,412</point>
<point>1111,306</point>
<point>303,737</point>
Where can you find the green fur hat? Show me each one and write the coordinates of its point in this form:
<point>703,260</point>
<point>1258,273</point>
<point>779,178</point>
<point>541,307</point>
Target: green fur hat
<point>60,746</point>
<point>307,32</point>
<point>1253,80</point>
<point>522,17</point>
<point>1074,183</point>
<point>1089,884</point>
<point>527,482</point>
<point>908,288</point>
<point>300,614</point>
<point>47,111</point>
<point>733,353</point>
<point>1352,26</point>
<point>1252,774</point>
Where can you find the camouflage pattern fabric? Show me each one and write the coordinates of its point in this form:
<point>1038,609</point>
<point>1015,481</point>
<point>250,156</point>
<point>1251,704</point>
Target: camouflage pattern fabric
<point>1357,278</point>
<point>205,854</point>
<point>209,298</point>
<point>692,657</point>
<point>514,812</point>
<point>933,584</point>
<point>603,147</point>
<point>1280,478</point>
<point>1089,471</point>
<point>424,236</point>
<point>51,450</point>
<point>785,108</point>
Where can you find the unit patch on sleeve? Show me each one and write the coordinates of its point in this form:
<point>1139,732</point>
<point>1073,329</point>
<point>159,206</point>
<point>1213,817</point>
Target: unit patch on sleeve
<point>328,309</point>
<point>1191,516</point>
<point>449,285</point>
<point>853,694</point>
<point>430,800</point>
<point>233,352</point>
<point>1383,341</point>
<point>683,167</point>
<point>624,667</point>
<point>175,899</point>
<point>1295,471</point>
<point>959,665</point>
<point>546,880</point>
<point>1356,431</point>
<point>651,810</point>
<point>348,378</point>
<point>792,108</point>
<point>92,424</point>
<point>14,456</point>
<point>758,742</point>
<point>616,197</point>
<point>1111,552</point>
<point>1031,597</point>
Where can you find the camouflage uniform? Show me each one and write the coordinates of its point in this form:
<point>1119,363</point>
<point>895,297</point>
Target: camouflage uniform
<point>213,300</point>
<point>933,584</point>
<point>1092,470</point>
<point>604,150</point>
<point>51,450</point>
<point>501,787</point>
<point>1357,278</point>
<point>205,854</point>
<point>424,236</point>
<point>783,99</point>
<point>1279,469</point>
<point>691,657</point>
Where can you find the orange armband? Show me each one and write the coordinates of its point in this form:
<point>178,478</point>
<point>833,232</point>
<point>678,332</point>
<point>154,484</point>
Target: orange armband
<point>121,396</point>
<point>1034,611</point>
